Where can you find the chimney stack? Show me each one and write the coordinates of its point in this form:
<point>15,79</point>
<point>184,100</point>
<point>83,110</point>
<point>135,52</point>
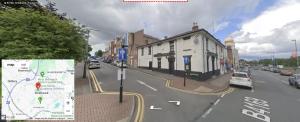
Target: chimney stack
<point>195,26</point>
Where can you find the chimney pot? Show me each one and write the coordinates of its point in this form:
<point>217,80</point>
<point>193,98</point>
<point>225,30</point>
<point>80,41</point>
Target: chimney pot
<point>195,26</point>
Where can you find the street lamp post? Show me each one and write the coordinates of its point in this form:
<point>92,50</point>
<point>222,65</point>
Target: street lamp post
<point>296,52</point>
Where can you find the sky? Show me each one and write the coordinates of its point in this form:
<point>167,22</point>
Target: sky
<point>260,28</point>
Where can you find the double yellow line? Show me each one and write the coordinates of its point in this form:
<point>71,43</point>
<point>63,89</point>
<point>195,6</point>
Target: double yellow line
<point>96,82</point>
<point>140,100</point>
<point>227,91</point>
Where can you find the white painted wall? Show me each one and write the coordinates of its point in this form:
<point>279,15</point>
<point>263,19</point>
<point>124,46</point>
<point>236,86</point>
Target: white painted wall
<point>192,46</point>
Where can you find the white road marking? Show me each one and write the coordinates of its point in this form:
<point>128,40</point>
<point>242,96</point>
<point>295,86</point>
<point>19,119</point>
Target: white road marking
<point>177,102</point>
<point>153,108</point>
<point>222,95</point>
<point>141,82</point>
<point>217,102</point>
<point>206,113</point>
<point>285,82</point>
<point>256,108</point>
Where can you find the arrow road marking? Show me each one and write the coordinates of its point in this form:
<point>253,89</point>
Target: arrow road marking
<point>152,108</point>
<point>141,82</point>
<point>177,102</point>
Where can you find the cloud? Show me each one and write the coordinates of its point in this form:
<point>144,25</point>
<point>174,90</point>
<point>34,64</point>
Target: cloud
<point>271,31</point>
<point>114,17</point>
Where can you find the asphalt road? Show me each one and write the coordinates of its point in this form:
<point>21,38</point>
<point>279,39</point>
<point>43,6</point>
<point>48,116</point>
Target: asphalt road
<point>154,92</point>
<point>271,100</point>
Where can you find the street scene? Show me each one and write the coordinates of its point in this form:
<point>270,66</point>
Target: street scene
<point>149,60</point>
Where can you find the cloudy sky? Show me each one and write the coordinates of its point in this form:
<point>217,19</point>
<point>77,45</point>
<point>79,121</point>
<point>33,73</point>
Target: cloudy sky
<point>260,28</point>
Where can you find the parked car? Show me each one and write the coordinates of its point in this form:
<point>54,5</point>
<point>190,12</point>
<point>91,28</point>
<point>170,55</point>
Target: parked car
<point>294,80</point>
<point>276,70</point>
<point>94,64</point>
<point>286,72</point>
<point>241,79</point>
<point>245,69</point>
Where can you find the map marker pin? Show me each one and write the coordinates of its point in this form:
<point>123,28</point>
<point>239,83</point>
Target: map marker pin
<point>40,99</point>
<point>38,85</point>
<point>42,74</point>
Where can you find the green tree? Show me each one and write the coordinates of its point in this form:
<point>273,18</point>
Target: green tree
<point>99,53</point>
<point>28,34</point>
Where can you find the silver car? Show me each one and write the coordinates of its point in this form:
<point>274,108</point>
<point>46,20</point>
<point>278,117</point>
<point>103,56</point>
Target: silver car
<point>94,64</point>
<point>241,79</point>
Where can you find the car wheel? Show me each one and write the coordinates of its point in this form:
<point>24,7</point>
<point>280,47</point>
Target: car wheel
<point>290,83</point>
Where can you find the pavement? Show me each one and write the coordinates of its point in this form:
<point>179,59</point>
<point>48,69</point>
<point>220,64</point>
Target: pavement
<point>271,100</point>
<point>159,100</point>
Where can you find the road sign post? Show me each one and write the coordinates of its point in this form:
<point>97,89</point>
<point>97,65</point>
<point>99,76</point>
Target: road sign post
<point>186,61</point>
<point>122,56</point>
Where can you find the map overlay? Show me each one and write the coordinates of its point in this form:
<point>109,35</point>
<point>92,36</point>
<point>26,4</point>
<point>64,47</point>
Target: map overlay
<point>41,89</point>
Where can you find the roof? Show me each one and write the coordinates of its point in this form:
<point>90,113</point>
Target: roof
<point>148,36</point>
<point>183,34</point>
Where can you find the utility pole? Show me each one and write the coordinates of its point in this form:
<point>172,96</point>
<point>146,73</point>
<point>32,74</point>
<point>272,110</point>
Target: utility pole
<point>296,52</point>
<point>86,54</point>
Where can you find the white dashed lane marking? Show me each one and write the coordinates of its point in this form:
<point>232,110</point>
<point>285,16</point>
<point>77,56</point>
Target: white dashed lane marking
<point>285,82</point>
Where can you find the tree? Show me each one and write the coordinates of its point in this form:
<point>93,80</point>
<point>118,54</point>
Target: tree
<point>90,48</point>
<point>31,34</point>
<point>99,53</point>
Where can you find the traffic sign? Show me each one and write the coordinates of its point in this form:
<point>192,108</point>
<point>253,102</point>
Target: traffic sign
<point>186,59</point>
<point>121,73</point>
<point>122,54</point>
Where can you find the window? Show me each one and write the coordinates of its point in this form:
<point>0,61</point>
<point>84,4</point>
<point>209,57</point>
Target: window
<point>149,50</point>
<point>142,51</point>
<point>171,46</point>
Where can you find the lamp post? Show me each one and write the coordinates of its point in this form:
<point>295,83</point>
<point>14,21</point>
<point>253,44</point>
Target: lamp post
<point>86,50</point>
<point>296,52</point>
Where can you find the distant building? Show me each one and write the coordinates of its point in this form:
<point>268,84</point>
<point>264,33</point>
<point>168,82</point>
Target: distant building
<point>205,52</point>
<point>134,40</point>
<point>232,54</point>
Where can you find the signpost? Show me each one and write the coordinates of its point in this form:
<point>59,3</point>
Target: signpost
<point>186,67</point>
<point>122,56</point>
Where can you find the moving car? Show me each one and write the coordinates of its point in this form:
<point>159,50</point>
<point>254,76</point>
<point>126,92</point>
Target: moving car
<point>294,80</point>
<point>286,72</point>
<point>241,79</point>
<point>94,64</point>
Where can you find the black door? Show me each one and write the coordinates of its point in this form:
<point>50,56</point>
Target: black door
<point>150,65</point>
<point>171,65</point>
<point>158,63</point>
<point>213,64</point>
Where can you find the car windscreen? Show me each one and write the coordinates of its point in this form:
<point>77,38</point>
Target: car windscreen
<point>239,75</point>
<point>94,61</point>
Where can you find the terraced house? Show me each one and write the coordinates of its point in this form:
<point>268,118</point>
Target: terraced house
<point>206,53</point>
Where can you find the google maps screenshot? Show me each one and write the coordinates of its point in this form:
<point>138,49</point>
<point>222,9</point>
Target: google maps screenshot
<point>149,60</point>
